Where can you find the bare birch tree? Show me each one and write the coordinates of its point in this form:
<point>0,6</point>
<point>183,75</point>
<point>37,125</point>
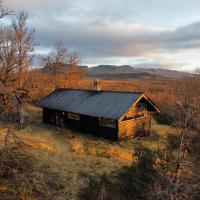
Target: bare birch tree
<point>186,115</point>
<point>7,60</point>
<point>54,64</point>
<point>72,71</point>
<point>3,12</point>
<point>24,45</point>
<point>15,59</point>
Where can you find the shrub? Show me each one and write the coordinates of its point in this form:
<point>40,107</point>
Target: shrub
<point>130,183</point>
<point>140,132</point>
<point>99,188</point>
<point>163,118</point>
<point>154,136</point>
<point>173,141</point>
<point>16,169</point>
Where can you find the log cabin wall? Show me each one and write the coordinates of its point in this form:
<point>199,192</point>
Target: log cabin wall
<point>129,127</point>
<point>135,122</point>
<point>108,129</point>
<point>95,126</point>
<point>133,127</point>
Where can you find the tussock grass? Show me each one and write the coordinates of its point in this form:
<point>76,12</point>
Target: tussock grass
<point>156,140</point>
<point>67,159</point>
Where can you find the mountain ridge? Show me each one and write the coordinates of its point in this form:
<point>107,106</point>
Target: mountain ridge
<point>127,71</point>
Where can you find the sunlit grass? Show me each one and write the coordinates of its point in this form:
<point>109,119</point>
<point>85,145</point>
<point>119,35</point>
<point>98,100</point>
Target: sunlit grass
<point>73,156</point>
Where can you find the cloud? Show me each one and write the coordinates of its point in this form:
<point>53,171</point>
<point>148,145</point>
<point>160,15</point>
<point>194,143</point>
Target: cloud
<point>34,6</point>
<point>118,39</point>
<point>185,37</point>
<point>113,41</point>
<point>108,30</point>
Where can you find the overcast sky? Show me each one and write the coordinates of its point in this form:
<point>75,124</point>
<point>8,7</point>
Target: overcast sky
<point>145,33</point>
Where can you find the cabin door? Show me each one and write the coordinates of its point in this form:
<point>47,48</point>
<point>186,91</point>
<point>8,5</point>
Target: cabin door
<point>90,125</point>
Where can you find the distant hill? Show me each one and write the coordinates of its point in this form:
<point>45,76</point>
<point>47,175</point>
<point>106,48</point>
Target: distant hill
<point>127,71</point>
<point>46,71</point>
<point>113,68</point>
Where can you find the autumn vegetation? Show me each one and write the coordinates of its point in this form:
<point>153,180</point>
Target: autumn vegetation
<point>41,162</point>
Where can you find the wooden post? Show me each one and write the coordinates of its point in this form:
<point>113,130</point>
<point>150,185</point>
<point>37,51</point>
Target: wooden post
<point>149,123</point>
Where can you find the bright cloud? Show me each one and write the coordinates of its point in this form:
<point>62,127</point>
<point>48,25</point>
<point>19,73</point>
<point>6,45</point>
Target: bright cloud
<point>118,32</point>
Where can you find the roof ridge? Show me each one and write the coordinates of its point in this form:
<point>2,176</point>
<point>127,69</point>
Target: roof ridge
<point>90,90</point>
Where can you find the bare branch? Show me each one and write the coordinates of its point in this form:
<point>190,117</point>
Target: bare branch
<point>4,12</point>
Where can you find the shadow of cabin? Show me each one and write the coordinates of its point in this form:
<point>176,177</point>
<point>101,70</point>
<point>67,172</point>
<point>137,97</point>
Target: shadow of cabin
<point>111,115</point>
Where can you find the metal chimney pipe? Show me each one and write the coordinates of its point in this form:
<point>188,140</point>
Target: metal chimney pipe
<point>97,85</point>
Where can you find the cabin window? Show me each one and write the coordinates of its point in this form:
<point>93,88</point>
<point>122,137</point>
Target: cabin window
<point>107,123</point>
<point>73,116</point>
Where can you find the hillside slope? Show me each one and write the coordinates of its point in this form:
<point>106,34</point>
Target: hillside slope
<point>63,161</point>
<point>126,71</point>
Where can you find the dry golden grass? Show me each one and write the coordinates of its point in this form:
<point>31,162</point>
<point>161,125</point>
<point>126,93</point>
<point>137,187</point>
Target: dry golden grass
<point>73,157</point>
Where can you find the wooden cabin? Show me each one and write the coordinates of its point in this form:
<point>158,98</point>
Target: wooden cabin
<point>107,114</point>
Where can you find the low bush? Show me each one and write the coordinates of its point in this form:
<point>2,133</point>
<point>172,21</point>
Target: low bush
<point>154,136</point>
<point>133,182</point>
<point>163,118</point>
<point>16,174</point>
<point>173,141</point>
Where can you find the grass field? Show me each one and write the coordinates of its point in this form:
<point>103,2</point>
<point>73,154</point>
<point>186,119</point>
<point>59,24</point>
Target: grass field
<point>65,159</point>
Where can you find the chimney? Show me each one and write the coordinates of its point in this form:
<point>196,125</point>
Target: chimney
<point>97,85</point>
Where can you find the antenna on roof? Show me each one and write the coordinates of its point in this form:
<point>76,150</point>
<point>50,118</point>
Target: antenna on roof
<point>97,85</point>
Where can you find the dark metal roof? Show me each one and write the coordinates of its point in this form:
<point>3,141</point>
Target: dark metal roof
<point>105,104</point>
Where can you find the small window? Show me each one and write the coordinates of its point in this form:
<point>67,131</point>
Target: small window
<point>107,123</point>
<point>73,116</point>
